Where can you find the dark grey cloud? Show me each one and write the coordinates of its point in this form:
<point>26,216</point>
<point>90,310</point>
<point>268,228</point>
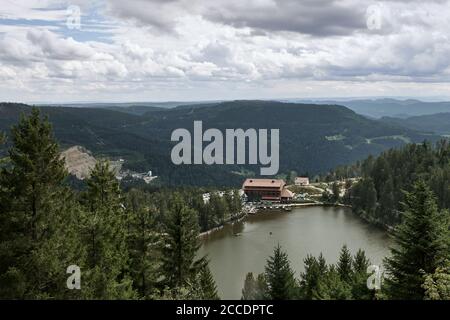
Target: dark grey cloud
<point>160,15</point>
<point>312,17</point>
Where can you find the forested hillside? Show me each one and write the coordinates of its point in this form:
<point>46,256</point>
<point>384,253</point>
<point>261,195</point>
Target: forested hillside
<point>379,195</point>
<point>313,139</point>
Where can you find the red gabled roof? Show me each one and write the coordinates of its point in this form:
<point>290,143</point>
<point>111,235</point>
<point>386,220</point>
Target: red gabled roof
<point>264,183</point>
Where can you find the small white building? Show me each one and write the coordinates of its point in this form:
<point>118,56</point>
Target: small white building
<point>301,181</point>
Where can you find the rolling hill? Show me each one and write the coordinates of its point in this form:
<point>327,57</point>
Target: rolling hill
<point>379,108</point>
<point>313,138</point>
<point>438,123</point>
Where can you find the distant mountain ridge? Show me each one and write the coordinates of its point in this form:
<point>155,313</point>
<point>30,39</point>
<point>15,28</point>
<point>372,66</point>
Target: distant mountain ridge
<point>438,123</point>
<point>379,108</point>
<point>374,108</point>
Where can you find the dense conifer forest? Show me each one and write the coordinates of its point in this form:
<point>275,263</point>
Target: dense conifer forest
<point>379,194</point>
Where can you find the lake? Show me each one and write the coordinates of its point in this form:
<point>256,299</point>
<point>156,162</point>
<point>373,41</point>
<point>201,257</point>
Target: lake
<point>245,246</point>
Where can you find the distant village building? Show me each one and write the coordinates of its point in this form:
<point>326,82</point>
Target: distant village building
<point>266,190</point>
<point>206,197</point>
<point>301,181</point>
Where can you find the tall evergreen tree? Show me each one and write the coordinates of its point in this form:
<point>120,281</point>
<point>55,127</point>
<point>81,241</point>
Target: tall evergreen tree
<point>255,289</point>
<point>249,292</point>
<point>180,245</point>
<point>36,213</point>
<point>364,197</point>
<point>218,206</point>
<point>143,238</point>
<point>332,287</point>
<point>421,244</point>
<point>344,266</point>
<point>359,286</point>
<point>279,276</point>
<point>315,269</point>
<point>206,284</point>
<point>104,228</point>
<point>360,262</point>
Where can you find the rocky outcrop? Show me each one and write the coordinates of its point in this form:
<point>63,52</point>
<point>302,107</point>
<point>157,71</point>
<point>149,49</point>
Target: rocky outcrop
<point>79,161</point>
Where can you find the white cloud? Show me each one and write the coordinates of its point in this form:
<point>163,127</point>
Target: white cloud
<point>232,49</point>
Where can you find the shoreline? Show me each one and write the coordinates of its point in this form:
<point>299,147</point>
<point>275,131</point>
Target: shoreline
<point>243,214</point>
<point>231,220</point>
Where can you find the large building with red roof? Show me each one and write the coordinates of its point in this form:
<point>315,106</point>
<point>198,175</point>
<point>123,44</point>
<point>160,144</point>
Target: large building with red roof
<point>267,190</point>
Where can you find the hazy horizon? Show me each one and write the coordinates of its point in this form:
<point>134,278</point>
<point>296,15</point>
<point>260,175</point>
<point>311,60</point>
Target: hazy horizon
<point>293,99</point>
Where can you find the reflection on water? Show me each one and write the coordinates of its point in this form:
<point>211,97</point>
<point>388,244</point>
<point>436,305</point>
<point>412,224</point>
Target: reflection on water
<point>244,246</point>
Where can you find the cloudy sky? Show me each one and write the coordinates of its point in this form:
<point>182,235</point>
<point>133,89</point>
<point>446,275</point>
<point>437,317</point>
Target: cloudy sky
<point>159,50</point>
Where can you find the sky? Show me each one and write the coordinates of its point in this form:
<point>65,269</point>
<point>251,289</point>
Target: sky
<point>55,51</point>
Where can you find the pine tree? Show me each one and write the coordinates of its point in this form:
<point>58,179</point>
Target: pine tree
<point>422,245</point>
<point>104,227</point>
<point>332,287</point>
<point>344,266</point>
<point>37,169</point>
<point>279,276</point>
<point>206,284</point>
<point>359,281</point>
<point>262,287</point>
<point>315,269</point>
<point>255,289</point>
<point>360,262</point>
<point>180,245</point>
<point>143,239</point>
<point>249,292</point>
<point>218,206</point>
<point>205,216</point>
<point>37,214</point>
<point>364,197</point>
